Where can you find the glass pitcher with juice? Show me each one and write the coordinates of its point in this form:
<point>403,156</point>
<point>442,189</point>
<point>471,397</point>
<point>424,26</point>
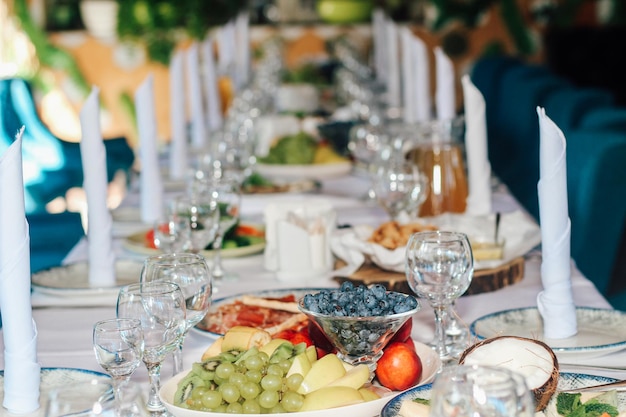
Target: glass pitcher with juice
<point>438,152</point>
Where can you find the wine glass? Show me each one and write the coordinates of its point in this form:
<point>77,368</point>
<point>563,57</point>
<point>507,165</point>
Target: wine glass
<point>172,232</point>
<point>480,391</point>
<point>160,306</point>
<point>118,345</point>
<point>439,268</point>
<point>191,273</point>
<point>227,192</point>
<point>203,213</point>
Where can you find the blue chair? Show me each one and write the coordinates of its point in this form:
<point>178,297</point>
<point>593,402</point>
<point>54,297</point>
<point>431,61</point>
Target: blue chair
<point>52,236</point>
<point>567,107</point>
<point>604,118</point>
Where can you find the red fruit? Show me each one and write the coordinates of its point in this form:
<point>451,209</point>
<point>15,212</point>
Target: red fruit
<point>319,338</point>
<point>404,332</point>
<point>399,368</point>
<point>149,239</point>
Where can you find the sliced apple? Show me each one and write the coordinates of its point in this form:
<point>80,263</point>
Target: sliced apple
<point>324,371</point>
<point>311,353</point>
<point>213,350</point>
<point>354,378</point>
<point>368,394</point>
<point>300,365</point>
<point>272,345</point>
<point>331,397</point>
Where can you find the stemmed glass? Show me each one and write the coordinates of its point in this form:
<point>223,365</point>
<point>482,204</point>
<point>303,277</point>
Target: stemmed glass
<point>191,273</point>
<point>118,345</point>
<point>203,213</point>
<point>172,232</point>
<point>439,268</point>
<point>160,306</point>
<point>480,391</point>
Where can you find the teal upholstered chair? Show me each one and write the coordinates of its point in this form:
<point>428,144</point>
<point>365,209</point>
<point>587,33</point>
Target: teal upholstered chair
<point>568,107</point>
<point>604,118</point>
<point>52,236</point>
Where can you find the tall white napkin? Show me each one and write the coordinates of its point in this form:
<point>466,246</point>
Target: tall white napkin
<point>393,64</point>
<point>421,83</point>
<point>150,183</point>
<point>211,90</point>
<point>178,119</point>
<point>380,57</point>
<point>194,92</point>
<point>478,166</point>
<point>242,58</point>
<point>226,41</point>
<point>100,224</point>
<point>21,369</point>
<point>445,98</point>
<point>555,302</point>
<point>408,75</point>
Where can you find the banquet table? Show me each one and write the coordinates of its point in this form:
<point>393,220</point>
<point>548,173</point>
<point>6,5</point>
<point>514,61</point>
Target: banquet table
<point>65,323</point>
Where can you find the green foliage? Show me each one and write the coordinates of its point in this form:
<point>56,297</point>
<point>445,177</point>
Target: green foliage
<point>297,149</point>
<point>569,405</point>
<point>567,402</point>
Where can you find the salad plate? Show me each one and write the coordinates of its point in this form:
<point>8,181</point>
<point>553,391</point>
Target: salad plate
<point>73,279</point>
<point>310,171</point>
<point>54,377</point>
<point>600,331</point>
<point>567,381</point>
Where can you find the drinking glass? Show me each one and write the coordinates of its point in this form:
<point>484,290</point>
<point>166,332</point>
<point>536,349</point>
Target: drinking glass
<point>191,273</point>
<point>160,306</point>
<point>118,345</point>
<point>172,232</point>
<point>203,214</point>
<point>480,391</point>
<point>400,187</point>
<point>439,268</point>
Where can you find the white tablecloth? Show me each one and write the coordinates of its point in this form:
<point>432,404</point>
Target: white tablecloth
<point>65,329</point>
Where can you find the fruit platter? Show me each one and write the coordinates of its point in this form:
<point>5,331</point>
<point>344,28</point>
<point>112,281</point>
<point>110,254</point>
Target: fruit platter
<point>308,373</point>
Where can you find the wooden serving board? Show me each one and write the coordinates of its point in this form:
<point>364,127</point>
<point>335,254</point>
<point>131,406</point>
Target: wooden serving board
<point>484,280</point>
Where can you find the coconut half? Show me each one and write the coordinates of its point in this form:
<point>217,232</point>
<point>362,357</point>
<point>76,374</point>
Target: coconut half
<point>531,358</point>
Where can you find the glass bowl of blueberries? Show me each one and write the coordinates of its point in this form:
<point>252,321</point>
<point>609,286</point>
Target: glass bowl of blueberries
<point>359,320</point>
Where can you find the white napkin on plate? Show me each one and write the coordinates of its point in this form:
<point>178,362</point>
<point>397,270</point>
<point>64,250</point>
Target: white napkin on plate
<point>21,369</point>
<point>150,183</point>
<point>242,58</point>
<point>423,100</point>
<point>226,40</point>
<point>445,98</point>
<point>194,93</point>
<point>100,224</point>
<point>408,75</point>
<point>394,98</point>
<point>178,119</point>
<point>478,166</point>
<point>211,90</point>
<point>380,58</point>
<point>555,302</point>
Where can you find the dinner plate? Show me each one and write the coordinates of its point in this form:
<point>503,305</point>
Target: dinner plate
<point>73,279</point>
<point>567,381</point>
<point>310,171</point>
<point>55,377</point>
<point>600,331</point>
<point>430,366</point>
<point>136,243</point>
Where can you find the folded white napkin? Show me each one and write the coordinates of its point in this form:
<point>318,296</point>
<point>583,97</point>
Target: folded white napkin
<point>423,101</point>
<point>194,93</point>
<point>99,222</point>
<point>445,98</point>
<point>178,118</point>
<point>555,302</point>
<point>211,91</point>
<point>394,98</point>
<point>21,369</point>
<point>226,41</point>
<point>242,59</point>
<point>408,75</point>
<point>478,166</point>
<point>380,57</point>
<point>298,235</point>
<point>150,183</point>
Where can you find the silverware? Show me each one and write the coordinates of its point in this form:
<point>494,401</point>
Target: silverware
<point>497,228</point>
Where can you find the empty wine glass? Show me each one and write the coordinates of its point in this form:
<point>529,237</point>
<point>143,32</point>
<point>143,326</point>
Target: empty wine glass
<point>439,268</point>
<point>203,214</point>
<point>118,345</point>
<point>191,273</point>
<point>172,232</point>
<point>160,306</point>
<point>480,391</point>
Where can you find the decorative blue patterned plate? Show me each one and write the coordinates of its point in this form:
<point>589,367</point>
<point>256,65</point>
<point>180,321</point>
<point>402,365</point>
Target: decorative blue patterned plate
<point>600,331</point>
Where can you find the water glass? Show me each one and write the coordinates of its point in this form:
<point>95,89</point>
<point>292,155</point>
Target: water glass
<point>203,214</point>
<point>172,233</point>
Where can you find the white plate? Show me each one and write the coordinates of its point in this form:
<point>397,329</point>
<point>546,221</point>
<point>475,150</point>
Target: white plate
<point>600,331</point>
<point>73,280</point>
<point>567,381</point>
<point>310,171</point>
<point>430,366</point>
<point>51,378</point>
<point>136,243</point>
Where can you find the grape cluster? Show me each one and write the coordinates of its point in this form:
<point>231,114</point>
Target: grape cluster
<point>251,385</point>
<point>359,301</point>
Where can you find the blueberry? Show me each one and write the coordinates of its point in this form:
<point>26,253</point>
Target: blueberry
<point>370,301</point>
<point>379,291</point>
<point>346,286</point>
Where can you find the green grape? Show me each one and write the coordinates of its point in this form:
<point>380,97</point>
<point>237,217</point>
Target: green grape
<point>249,390</point>
<point>254,362</point>
<point>230,392</point>
<point>220,409</point>
<point>224,370</point>
<point>234,408</point>
<point>238,379</point>
<point>264,357</point>
<point>254,376</point>
<point>285,365</point>
<point>275,369</point>
<point>212,399</point>
<point>294,381</point>
<point>268,399</point>
<point>292,401</point>
<point>250,407</point>
<point>271,383</point>
<point>194,403</point>
<point>277,409</point>
<point>219,381</point>
<point>198,392</point>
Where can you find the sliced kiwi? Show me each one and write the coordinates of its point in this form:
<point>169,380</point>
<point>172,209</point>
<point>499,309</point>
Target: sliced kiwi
<point>205,370</point>
<point>185,387</point>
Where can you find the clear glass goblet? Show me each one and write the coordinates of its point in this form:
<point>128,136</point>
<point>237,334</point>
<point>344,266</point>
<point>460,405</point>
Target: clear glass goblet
<point>118,345</point>
<point>160,306</point>
<point>193,276</point>
<point>172,232</point>
<point>439,268</point>
<point>480,391</point>
<point>203,214</point>
<point>400,188</point>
